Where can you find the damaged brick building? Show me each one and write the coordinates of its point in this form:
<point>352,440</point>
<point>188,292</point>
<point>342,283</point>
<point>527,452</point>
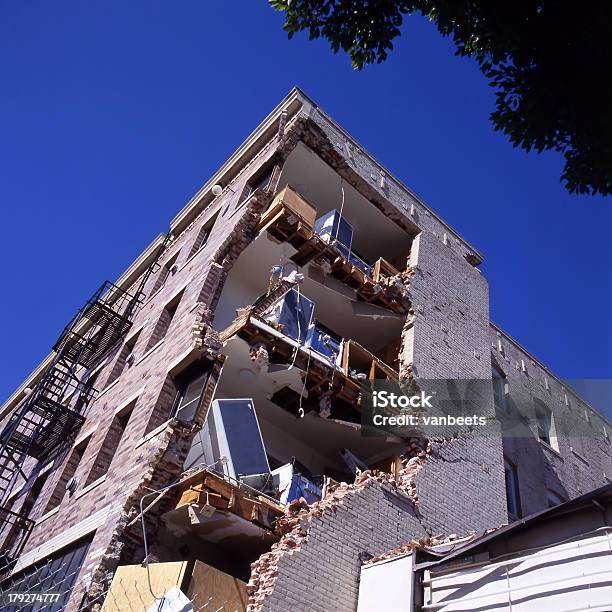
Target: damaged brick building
<point>206,405</point>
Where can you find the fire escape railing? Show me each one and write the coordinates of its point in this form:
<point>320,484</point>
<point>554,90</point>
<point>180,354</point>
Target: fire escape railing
<point>50,416</point>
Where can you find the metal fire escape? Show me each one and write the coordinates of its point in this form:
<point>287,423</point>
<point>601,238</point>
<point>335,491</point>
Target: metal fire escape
<point>49,417</point>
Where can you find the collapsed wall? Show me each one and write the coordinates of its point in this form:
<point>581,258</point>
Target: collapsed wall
<point>318,559</point>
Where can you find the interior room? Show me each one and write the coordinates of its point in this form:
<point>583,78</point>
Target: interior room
<point>374,234</point>
<point>336,305</point>
<point>314,441</point>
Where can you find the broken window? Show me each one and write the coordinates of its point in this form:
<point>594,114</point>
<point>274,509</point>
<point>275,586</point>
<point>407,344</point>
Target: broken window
<point>543,422</point>
<point>191,385</point>
<point>512,490</point>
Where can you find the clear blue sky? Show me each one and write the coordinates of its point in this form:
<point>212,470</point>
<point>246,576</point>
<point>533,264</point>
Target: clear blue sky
<point>112,114</point>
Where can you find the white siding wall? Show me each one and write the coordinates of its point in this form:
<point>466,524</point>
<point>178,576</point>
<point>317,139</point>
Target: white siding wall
<point>573,576</point>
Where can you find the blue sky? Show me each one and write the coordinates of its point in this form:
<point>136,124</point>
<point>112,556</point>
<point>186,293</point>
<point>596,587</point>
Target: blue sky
<point>113,114</point>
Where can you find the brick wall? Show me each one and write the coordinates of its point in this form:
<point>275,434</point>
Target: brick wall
<point>579,458</point>
<point>147,383</point>
<point>316,566</point>
<point>461,486</point>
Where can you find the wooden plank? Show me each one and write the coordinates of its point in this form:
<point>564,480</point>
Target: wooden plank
<point>224,591</point>
<point>383,268</point>
<point>235,326</point>
<point>356,356</point>
<point>208,488</point>
<point>298,205</point>
<point>286,204</point>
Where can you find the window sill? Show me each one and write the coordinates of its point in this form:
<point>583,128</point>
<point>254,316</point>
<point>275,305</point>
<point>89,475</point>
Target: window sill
<point>90,486</point>
<point>152,434</point>
<point>152,296</point>
<point>133,333</point>
<point>191,258</point>
<point>548,447</point>
<point>148,352</point>
<point>578,455</point>
<point>47,515</point>
<point>83,437</point>
<point>108,388</point>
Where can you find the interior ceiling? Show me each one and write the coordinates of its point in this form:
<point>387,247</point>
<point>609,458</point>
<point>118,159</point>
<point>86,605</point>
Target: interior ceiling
<point>252,272</point>
<point>242,379</point>
<point>375,235</point>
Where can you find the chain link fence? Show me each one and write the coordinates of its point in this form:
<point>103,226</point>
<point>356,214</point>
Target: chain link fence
<point>52,586</point>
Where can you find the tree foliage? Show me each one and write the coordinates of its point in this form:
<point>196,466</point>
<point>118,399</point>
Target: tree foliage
<point>549,62</point>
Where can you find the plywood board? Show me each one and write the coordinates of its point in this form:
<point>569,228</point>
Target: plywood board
<point>222,589</point>
<point>204,586</point>
<point>129,589</point>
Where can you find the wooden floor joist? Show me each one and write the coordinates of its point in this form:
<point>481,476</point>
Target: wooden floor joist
<point>291,219</point>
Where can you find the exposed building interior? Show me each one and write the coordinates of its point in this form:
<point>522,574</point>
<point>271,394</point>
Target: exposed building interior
<point>309,315</point>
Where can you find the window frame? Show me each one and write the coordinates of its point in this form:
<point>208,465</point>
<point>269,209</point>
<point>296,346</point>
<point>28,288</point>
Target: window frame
<point>198,371</point>
<point>500,388</point>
